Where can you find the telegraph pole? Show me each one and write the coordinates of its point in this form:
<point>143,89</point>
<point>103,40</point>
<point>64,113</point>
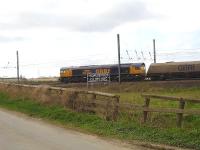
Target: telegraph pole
<point>17,67</point>
<point>118,44</point>
<point>154,50</point>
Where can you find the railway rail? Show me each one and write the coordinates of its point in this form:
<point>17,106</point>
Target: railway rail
<point>166,83</point>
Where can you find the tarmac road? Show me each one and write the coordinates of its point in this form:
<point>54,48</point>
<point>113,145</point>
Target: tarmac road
<point>19,132</point>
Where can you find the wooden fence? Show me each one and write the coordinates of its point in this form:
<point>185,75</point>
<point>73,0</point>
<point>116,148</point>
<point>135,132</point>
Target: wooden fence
<point>179,111</point>
<point>146,107</point>
<point>110,107</point>
<point>102,104</point>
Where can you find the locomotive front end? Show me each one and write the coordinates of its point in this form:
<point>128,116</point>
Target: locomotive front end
<point>138,71</point>
<point>65,74</point>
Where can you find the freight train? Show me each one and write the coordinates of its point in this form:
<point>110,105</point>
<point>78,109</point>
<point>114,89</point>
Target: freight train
<point>134,71</point>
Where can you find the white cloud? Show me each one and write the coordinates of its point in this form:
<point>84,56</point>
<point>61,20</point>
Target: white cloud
<point>120,14</point>
<point>54,33</point>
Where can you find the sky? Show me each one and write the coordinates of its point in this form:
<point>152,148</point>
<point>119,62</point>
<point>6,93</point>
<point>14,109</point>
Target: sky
<point>50,34</point>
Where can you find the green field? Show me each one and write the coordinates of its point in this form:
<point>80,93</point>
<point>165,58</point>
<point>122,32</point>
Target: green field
<point>160,127</point>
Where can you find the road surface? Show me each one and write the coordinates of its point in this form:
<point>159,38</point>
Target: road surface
<point>18,132</point>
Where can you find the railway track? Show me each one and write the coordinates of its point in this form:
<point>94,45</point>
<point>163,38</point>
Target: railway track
<point>133,86</point>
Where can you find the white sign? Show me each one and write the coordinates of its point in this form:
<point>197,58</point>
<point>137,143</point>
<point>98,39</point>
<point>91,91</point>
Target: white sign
<point>93,77</point>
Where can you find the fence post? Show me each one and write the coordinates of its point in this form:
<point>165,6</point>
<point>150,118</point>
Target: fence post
<point>93,103</point>
<point>116,108</point>
<point>73,100</point>
<point>146,105</point>
<point>108,115</point>
<point>180,115</point>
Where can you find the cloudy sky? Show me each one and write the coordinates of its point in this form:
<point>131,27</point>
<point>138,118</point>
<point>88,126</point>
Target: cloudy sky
<point>50,34</point>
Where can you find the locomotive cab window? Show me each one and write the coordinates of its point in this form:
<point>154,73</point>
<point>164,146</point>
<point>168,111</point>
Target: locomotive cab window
<point>137,68</point>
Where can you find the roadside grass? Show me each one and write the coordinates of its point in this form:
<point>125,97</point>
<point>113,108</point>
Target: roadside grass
<point>124,129</point>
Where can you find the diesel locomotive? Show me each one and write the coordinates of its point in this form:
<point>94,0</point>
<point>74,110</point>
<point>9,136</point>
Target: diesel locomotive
<point>129,72</point>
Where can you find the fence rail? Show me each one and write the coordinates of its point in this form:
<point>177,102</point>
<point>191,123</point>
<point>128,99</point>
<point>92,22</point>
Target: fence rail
<point>171,98</point>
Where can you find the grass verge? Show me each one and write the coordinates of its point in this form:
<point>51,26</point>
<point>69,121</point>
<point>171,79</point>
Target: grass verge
<point>123,129</point>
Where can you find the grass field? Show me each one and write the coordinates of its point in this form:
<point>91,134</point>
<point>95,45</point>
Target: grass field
<point>160,128</point>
